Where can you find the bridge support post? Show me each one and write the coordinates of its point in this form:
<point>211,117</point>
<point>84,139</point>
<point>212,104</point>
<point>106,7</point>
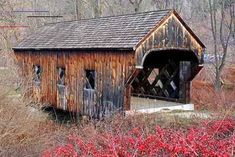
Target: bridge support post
<point>184,83</point>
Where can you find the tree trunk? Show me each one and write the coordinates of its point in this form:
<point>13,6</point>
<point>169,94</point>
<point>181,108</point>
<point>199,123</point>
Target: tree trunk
<point>78,8</point>
<point>217,80</point>
<point>96,6</point>
<point>136,4</point>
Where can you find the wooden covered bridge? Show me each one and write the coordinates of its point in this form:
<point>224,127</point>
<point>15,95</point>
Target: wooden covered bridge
<point>95,66</point>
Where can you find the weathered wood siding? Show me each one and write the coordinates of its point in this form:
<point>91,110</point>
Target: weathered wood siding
<point>170,34</point>
<point>112,70</point>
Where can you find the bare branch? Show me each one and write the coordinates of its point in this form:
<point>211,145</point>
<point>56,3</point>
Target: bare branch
<point>131,2</point>
<point>225,43</point>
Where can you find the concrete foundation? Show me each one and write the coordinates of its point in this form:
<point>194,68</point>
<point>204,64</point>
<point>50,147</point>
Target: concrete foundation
<point>145,105</point>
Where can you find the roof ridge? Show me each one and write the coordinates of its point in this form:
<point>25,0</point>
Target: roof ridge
<point>109,16</point>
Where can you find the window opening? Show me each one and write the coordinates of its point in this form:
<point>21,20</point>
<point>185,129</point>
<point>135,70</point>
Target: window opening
<point>37,72</point>
<point>61,73</point>
<point>89,99</point>
<point>90,79</point>
<point>61,87</point>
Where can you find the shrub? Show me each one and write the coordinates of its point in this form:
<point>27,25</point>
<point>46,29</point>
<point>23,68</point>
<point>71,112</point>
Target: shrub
<point>210,138</point>
<point>204,95</point>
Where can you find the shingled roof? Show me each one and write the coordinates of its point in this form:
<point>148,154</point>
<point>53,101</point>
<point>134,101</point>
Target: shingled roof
<point>123,31</point>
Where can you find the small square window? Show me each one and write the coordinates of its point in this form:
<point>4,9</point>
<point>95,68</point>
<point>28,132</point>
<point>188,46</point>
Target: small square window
<point>90,79</point>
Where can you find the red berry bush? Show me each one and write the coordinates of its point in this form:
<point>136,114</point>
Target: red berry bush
<point>210,138</point>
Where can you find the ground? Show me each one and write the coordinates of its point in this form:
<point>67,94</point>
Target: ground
<point>28,131</point>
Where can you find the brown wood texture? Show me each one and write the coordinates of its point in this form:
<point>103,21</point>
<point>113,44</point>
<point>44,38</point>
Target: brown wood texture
<point>184,83</point>
<point>170,35</point>
<point>112,70</point>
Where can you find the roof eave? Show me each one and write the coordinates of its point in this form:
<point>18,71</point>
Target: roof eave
<point>62,48</point>
<point>154,28</point>
<point>189,29</point>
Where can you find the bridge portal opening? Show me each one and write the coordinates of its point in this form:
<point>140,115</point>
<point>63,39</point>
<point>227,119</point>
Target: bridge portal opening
<point>165,75</point>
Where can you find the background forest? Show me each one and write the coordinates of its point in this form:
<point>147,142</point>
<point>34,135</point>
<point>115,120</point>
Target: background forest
<point>212,20</point>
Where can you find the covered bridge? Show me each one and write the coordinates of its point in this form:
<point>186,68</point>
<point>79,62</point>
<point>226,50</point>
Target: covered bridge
<point>94,66</point>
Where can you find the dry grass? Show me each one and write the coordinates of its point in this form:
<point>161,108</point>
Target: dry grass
<point>120,124</point>
<point>25,131</point>
<point>205,97</point>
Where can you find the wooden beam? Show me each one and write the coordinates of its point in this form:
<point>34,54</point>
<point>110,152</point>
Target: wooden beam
<point>44,16</point>
<point>30,11</point>
<point>13,26</point>
<point>184,75</point>
<point>165,84</point>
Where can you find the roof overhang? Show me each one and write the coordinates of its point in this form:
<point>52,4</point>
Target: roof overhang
<point>18,49</point>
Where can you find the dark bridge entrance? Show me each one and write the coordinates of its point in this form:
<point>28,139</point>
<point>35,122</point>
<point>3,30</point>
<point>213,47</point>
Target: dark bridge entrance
<point>166,75</point>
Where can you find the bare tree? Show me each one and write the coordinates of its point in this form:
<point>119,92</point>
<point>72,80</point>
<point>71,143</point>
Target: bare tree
<point>96,4</point>
<point>198,9</point>
<point>168,4</point>
<point>221,29</point>
<point>78,9</point>
<point>136,4</point>
<point>233,12</point>
<point>116,7</point>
